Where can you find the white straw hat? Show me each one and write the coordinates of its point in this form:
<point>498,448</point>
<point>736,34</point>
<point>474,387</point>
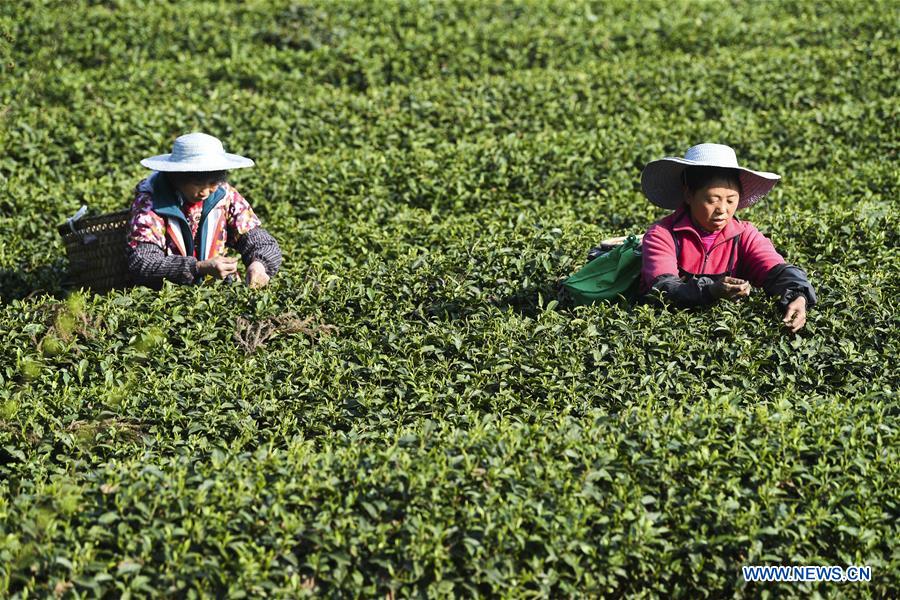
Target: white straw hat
<point>198,153</point>
<point>662,181</point>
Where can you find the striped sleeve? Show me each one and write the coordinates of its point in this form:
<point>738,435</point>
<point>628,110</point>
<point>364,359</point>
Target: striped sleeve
<point>259,245</point>
<point>148,265</point>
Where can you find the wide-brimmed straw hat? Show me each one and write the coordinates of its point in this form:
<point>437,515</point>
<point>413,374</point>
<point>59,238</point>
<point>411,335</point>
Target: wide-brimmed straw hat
<point>196,153</point>
<point>662,179</point>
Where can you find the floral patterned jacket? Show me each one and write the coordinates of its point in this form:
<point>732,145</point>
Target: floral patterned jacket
<point>167,237</point>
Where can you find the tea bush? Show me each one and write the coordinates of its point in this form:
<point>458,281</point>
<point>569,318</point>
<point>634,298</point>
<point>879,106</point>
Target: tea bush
<point>434,423</point>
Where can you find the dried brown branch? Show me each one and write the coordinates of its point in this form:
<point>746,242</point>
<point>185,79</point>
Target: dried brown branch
<point>250,335</point>
<point>128,428</point>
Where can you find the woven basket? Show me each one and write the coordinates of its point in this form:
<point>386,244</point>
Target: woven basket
<point>96,249</point>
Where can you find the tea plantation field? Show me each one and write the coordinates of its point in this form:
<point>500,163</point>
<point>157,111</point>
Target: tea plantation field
<point>407,410</point>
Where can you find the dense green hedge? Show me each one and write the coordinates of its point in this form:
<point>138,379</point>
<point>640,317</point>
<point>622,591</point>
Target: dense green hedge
<point>427,420</point>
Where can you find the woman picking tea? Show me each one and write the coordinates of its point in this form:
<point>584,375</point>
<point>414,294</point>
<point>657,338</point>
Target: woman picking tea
<point>186,214</point>
<point>702,252</point>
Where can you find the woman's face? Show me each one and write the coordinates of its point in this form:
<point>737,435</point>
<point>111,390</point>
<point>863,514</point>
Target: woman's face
<point>713,206</point>
<point>194,191</point>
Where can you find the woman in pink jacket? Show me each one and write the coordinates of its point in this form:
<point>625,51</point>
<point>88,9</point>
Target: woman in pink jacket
<point>701,252</point>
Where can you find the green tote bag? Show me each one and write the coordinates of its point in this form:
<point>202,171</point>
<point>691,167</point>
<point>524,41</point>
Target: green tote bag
<point>609,275</point>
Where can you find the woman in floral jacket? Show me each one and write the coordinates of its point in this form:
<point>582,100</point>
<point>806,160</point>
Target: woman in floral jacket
<point>185,215</point>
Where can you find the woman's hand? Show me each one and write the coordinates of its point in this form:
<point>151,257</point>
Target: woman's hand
<point>731,288</point>
<point>256,275</point>
<point>795,315</point>
<point>219,267</point>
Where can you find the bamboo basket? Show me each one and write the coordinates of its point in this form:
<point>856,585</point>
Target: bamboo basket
<point>96,250</point>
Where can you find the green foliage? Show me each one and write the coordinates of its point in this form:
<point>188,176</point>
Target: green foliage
<point>407,409</point>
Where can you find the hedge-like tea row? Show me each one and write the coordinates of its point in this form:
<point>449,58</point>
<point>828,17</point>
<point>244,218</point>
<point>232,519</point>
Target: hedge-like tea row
<point>424,418</point>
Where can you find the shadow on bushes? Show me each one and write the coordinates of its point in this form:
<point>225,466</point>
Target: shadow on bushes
<point>16,284</point>
<point>530,302</point>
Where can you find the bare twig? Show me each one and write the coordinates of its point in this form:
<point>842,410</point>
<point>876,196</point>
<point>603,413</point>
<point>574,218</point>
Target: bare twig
<point>130,429</point>
<point>250,335</point>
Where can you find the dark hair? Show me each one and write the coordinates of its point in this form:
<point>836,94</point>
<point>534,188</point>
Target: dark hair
<point>198,177</point>
<point>697,178</point>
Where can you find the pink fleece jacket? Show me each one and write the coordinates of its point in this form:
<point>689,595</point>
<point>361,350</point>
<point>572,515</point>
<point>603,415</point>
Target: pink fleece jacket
<point>755,255</point>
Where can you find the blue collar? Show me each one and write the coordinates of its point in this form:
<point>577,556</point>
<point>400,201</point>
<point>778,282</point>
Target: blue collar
<point>167,202</point>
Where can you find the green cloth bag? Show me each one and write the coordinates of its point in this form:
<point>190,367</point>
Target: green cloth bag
<point>613,274</point>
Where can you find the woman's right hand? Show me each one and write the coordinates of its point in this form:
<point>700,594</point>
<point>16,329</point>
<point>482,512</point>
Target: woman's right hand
<point>731,288</point>
<point>219,267</point>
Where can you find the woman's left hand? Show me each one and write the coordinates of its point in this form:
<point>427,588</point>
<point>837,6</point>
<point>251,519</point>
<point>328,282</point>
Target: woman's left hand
<point>256,275</point>
<point>795,315</point>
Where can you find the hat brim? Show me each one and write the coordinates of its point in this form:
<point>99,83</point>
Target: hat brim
<point>221,162</point>
<point>661,182</point>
